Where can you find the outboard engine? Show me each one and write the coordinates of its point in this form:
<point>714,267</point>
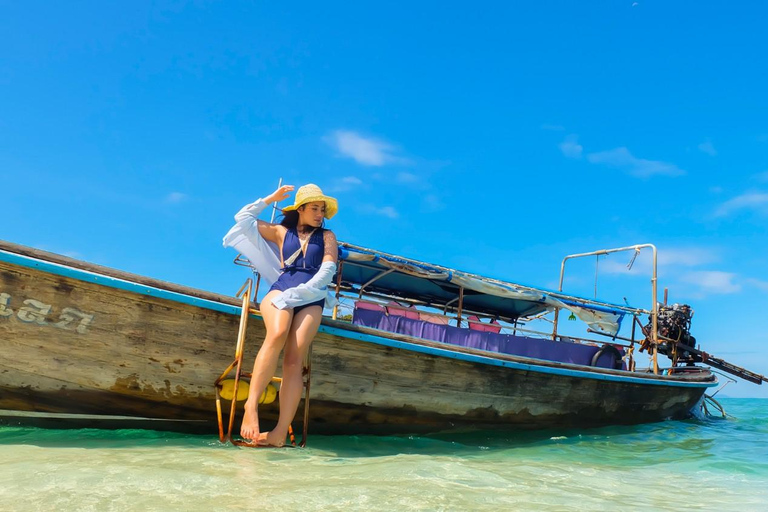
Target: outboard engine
<point>675,324</point>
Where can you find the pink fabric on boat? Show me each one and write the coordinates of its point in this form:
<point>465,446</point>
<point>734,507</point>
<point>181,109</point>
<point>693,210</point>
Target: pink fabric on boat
<point>434,319</point>
<point>476,325</point>
<point>369,306</point>
<point>393,308</point>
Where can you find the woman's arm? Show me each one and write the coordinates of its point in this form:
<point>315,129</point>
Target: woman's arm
<point>271,232</point>
<point>331,252</point>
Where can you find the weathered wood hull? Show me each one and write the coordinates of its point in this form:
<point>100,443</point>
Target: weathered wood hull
<point>101,342</point>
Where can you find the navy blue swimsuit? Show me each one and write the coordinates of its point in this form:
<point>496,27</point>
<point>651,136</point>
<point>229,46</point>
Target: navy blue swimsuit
<point>304,267</point>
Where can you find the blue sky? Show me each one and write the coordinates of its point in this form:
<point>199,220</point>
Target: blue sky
<point>491,137</point>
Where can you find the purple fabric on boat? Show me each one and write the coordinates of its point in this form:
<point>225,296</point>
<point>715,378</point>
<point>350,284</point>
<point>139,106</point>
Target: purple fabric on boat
<point>548,350</point>
<point>466,338</point>
<point>434,332</point>
<point>560,351</point>
<point>375,319</point>
<point>410,327</point>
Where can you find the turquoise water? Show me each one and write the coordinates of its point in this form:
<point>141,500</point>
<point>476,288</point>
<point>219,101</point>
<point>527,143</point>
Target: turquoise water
<point>710,464</point>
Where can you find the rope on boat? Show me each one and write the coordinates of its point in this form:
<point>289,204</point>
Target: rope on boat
<point>709,399</point>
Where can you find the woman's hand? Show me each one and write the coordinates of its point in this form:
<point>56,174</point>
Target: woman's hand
<point>279,194</point>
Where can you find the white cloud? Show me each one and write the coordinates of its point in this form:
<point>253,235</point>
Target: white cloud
<point>389,212</point>
<point>757,201</point>
<point>570,147</point>
<point>707,147</point>
<point>679,269</point>
<point>366,151</point>
<point>762,176</point>
<point>386,211</point>
<point>712,281</point>
<point>613,265</point>
<point>175,197</point>
<point>407,177</point>
<point>346,183</point>
<point>687,256</point>
<point>757,283</point>
<point>432,203</point>
<point>669,260</point>
<point>621,158</point>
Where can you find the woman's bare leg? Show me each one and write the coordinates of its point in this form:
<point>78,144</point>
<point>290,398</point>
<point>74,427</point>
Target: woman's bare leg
<point>277,323</point>
<point>302,332</point>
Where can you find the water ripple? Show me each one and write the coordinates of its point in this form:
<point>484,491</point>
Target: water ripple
<point>691,465</point>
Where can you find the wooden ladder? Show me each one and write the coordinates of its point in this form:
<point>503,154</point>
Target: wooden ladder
<point>236,390</point>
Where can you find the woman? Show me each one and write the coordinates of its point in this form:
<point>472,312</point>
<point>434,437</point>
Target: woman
<point>293,308</point>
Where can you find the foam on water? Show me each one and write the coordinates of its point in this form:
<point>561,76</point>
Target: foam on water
<point>694,465</point>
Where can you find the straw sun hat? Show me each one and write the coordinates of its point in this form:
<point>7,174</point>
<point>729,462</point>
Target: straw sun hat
<point>311,193</point>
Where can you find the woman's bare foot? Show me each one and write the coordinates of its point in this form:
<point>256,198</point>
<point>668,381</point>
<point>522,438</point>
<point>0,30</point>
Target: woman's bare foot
<point>271,438</point>
<point>249,429</point>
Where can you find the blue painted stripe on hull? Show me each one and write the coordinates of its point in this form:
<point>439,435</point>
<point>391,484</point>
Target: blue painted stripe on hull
<point>121,284</point>
<point>507,364</point>
<point>84,275</point>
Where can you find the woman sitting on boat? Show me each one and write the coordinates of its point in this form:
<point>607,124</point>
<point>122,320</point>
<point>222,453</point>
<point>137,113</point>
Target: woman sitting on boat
<point>299,256</point>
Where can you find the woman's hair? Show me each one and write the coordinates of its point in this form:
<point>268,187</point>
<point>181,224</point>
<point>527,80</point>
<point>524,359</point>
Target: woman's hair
<point>291,219</point>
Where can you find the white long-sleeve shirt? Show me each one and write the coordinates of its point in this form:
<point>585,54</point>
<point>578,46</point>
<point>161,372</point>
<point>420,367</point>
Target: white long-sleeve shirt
<point>264,256</point>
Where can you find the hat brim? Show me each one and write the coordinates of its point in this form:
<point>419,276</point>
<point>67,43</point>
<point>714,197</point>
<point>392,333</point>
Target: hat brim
<point>331,205</point>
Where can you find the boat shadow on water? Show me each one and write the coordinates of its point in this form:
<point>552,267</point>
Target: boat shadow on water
<point>644,444</point>
<point>646,441</point>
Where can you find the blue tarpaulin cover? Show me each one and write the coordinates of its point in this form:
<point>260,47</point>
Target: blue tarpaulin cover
<point>401,277</point>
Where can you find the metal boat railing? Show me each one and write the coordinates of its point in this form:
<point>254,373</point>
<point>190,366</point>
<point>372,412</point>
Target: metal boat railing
<point>653,312</point>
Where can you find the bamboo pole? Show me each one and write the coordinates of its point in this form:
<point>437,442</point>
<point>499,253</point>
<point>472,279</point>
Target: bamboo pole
<point>274,205</point>
<point>655,312</point>
<point>338,290</point>
<point>461,305</point>
<point>307,382</point>
<point>239,352</point>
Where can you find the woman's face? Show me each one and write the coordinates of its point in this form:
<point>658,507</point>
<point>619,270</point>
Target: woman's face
<point>312,214</point>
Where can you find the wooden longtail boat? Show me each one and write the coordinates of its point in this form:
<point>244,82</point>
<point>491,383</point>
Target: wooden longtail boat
<point>85,341</point>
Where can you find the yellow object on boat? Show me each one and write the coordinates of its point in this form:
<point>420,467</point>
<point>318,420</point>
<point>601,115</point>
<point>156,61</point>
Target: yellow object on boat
<point>227,391</point>
<point>228,387</point>
<point>269,395</point>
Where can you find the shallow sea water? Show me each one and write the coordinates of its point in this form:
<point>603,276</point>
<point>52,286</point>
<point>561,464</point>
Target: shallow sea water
<point>710,464</point>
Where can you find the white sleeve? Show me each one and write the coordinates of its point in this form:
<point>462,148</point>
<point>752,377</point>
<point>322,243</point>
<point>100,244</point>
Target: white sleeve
<point>245,238</point>
<point>312,291</point>
<point>251,211</point>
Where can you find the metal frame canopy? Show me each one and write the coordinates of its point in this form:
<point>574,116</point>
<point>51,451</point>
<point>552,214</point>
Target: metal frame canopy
<point>369,271</point>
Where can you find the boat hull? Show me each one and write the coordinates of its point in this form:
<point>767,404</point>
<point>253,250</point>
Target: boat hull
<point>86,340</point>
